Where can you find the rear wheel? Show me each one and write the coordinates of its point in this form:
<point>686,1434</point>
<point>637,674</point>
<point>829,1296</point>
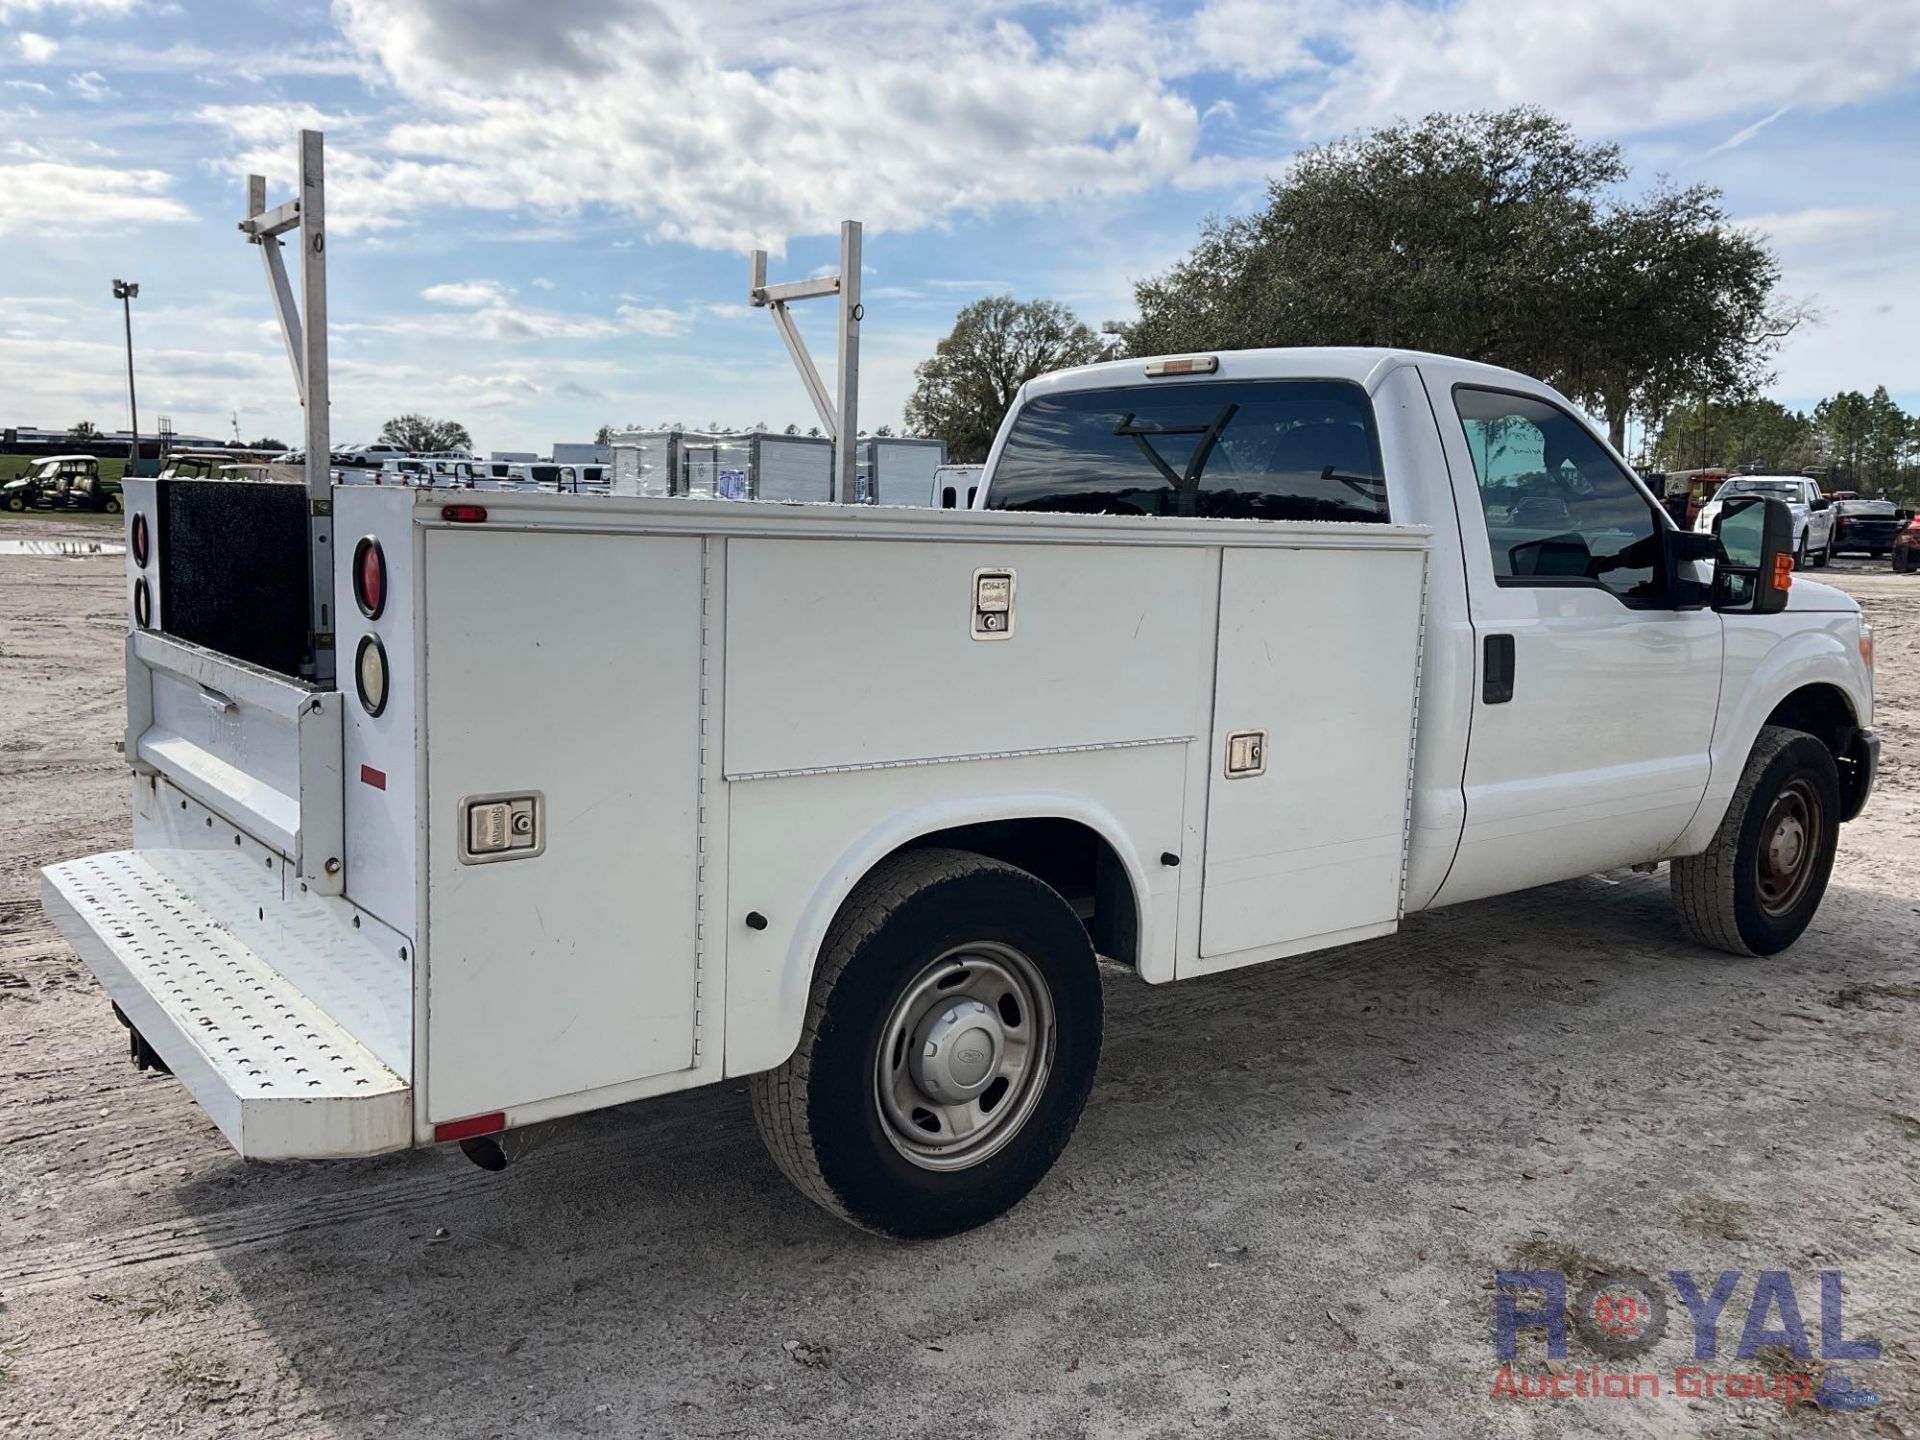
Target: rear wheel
<point>16,503</point>
<point>948,1049</point>
<point>112,505</point>
<point>1757,886</point>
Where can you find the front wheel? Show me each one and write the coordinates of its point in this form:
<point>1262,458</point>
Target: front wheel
<point>949,1046</point>
<point>1757,886</point>
<point>112,505</point>
<point>1800,554</point>
<point>16,503</point>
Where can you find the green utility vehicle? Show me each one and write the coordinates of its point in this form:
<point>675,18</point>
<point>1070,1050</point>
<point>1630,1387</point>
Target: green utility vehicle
<point>70,482</point>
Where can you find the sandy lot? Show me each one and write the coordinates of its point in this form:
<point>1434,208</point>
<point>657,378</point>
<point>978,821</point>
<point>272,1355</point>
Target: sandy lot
<point>1281,1215</point>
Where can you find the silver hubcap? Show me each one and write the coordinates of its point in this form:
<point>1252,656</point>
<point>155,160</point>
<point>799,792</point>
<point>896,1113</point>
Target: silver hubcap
<point>964,1056</point>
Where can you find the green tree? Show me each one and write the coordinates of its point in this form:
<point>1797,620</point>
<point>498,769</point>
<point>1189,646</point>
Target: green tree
<point>884,431</point>
<point>267,442</point>
<point>1491,236</point>
<point>418,433</point>
<point>962,392</point>
<point>1889,430</point>
<point>1755,434</point>
<point>791,430</point>
<point>84,431</point>
<point>604,435</point>
<point>1845,421</point>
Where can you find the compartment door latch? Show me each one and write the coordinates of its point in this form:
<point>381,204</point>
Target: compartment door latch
<point>502,827</point>
<point>993,604</point>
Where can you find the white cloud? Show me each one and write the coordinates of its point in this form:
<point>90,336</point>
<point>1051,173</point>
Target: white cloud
<point>1804,227</point>
<point>90,86</point>
<point>466,294</point>
<point>35,49</point>
<point>1609,66</point>
<point>534,107</point>
<point>13,10</point>
<point>59,198</point>
<point>33,85</point>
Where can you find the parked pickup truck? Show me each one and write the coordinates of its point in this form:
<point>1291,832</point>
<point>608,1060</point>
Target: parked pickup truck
<point>1813,517</point>
<point>1237,657</point>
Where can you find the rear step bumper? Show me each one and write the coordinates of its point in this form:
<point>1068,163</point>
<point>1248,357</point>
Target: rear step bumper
<point>280,1076</point>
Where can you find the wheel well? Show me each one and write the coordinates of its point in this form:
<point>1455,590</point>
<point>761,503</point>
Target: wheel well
<point>1073,858</point>
<point>1824,712</point>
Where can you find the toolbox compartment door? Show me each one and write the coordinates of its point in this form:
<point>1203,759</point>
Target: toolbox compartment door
<point>564,685</point>
<point>1318,664</point>
<point>253,746</point>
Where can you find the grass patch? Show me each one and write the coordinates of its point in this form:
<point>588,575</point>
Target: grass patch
<point>167,1297</point>
<point>1779,1361</point>
<point>1570,1260</point>
<point>1711,1215</point>
<point>201,1375</point>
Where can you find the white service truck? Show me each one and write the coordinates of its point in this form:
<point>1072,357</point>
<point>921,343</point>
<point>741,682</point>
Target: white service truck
<point>1237,657</point>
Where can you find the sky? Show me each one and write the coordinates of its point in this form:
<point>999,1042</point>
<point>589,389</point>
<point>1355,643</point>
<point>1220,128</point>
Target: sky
<point>541,212</point>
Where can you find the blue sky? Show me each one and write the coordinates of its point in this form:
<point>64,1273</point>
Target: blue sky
<point>541,211</point>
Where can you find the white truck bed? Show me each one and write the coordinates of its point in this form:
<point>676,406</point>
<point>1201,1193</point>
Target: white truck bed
<point>722,717</point>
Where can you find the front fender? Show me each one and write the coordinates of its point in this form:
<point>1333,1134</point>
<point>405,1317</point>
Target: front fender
<point>764,1027</point>
<point>1761,668</point>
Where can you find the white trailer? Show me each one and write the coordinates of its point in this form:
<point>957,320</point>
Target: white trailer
<point>901,470</point>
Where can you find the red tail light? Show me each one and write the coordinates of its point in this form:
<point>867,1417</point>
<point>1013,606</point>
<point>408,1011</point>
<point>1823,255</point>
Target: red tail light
<point>140,541</point>
<point>475,1125</point>
<point>370,577</point>
<point>464,514</point>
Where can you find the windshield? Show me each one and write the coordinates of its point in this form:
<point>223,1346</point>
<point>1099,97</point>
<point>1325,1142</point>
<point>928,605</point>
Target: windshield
<point>1775,489</point>
<point>1238,449</point>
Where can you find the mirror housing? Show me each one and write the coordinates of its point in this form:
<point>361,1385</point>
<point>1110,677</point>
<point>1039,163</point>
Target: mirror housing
<point>1754,566</point>
<point>1821,502</point>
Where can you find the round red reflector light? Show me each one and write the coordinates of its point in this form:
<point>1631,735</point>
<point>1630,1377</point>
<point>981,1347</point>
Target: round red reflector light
<point>140,541</point>
<point>370,577</point>
<point>142,603</point>
<point>370,674</point>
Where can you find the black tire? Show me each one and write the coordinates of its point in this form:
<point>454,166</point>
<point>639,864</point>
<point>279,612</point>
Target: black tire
<point>822,1115</point>
<point>16,503</point>
<point>1800,554</point>
<point>111,505</point>
<point>1878,554</point>
<point>1733,895</point>
<point>1902,561</point>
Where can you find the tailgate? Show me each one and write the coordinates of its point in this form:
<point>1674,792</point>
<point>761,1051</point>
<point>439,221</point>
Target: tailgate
<point>257,748</point>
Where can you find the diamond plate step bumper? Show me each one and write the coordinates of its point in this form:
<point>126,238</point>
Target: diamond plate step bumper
<point>280,1075</point>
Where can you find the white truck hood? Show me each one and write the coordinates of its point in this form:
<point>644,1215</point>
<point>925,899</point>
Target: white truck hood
<point>1805,594</point>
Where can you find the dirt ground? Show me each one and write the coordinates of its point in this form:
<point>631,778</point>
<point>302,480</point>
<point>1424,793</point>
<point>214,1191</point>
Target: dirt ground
<point>1282,1213</point>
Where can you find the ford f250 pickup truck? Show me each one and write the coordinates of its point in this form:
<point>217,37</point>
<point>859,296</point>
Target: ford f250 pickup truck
<point>1236,657</point>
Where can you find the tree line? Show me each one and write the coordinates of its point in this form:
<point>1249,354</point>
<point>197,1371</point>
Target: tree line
<point>1854,441</point>
<point>1497,236</point>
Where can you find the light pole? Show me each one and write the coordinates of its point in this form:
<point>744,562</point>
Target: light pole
<point>126,293</point>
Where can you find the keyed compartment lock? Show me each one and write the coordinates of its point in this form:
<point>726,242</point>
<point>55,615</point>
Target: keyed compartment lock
<point>1246,754</point>
<point>993,604</point>
<point>502,827</point>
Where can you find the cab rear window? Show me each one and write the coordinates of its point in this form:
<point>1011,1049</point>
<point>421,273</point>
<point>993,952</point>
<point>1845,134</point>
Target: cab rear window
<point>1231,449</point>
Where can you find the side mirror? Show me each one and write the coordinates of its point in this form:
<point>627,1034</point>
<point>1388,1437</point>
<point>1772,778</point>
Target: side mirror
<point>1755,565</point>
<point>1821,502</point>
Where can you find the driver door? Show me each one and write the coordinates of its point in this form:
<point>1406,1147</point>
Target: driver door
<point>1593,700</point>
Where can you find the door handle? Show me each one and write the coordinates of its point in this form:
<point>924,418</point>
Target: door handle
<point>1496,674</point>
